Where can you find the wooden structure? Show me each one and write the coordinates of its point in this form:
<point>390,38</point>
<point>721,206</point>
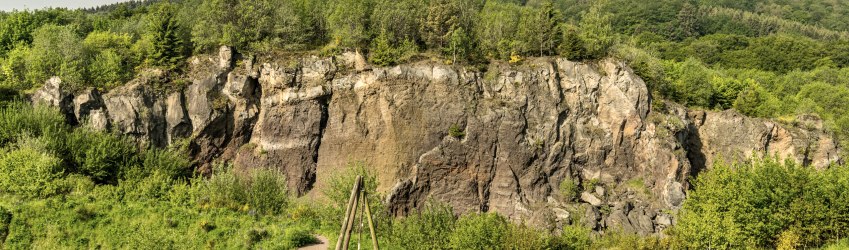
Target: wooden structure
<point>358,199</point>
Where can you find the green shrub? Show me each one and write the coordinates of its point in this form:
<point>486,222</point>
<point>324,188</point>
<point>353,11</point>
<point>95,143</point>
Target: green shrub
<point>299,236</point>
<point>18,118</point>
<point>479,231</point>
<point>456,132</point>
<point>589,185</point>
<point>522,236</point>
<point>5,219</point>
<point>573,237</point>
<point>30,172</point>
<point>168,161</point>
<point>259,190</point>
<point>762,204</point>
<point>101,156</point>
<point>614,239</point>
<point>569,189</point>
<point>429,228</point>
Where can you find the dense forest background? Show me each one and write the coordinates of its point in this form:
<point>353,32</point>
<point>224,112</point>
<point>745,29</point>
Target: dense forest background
<point>768,58</point>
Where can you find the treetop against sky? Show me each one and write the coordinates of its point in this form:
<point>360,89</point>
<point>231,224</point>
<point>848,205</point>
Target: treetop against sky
<point>9,5</point>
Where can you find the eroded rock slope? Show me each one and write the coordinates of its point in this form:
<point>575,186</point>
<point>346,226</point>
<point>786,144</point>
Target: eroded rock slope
<point>505,140</point>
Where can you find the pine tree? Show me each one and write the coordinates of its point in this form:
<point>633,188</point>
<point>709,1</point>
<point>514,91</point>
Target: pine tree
<point>550,26</point>
<point>382,52</point>
<point>688,22</point>
<point>442,17</point>
<point>572,47</point>
<point>168,47</point>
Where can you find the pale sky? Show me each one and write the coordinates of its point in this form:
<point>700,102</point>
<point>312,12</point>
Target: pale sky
<point>7,5</point>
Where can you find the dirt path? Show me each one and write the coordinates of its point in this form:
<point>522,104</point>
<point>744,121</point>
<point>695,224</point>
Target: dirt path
<point>323,244</point>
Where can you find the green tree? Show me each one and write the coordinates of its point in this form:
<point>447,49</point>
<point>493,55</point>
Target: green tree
<point>459,44</point>
<point>168,47</point>
<point>596,31</point>
<point>688,22</point>
<point>13,69</point>
<point>111,62</point>
<point>348,23</point>
<point>572,47</point>
<point>56,51</point>
<point>760,204</point>
<point>401,18</point>
<point>382,53</point>
<point>439,23</point>
<point>496,29</point>
<point>539,29</point>
<point>254,25</point>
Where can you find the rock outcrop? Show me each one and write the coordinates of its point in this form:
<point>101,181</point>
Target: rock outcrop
<point>503,140</point>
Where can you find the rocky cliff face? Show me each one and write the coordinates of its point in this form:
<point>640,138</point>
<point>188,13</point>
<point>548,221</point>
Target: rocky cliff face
<point>504,140</point>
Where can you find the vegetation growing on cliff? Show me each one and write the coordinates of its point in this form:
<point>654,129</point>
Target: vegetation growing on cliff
<point>769,58</point>
<point>764,58</point>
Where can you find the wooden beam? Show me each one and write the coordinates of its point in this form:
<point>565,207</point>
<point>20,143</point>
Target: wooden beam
<point>370,223</point>
<point>348,213</point>
<point>350,224</point>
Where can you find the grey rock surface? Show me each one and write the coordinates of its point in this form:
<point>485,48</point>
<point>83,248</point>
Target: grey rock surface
<point>519,131</point>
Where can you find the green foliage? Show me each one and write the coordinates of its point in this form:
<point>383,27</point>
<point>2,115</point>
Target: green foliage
<point>497,28</point>
<point>596,31</point>
<point>428,228</point>
<point>764,204</point>
<point>17,119</point>
<point>56,51</point>
<point>168,49</point>
<point>440,22</point>
<point>573,46</point>
<point>108,69</point>
<point>5,219</point>
<point>382,52</point>
<point>539,29</point>
<point>253,25</point>
<point>257,191</point>
<point>479,231</point>
<point>29,171</point>
<point>103,157</point>
<point>348,22</point>
<point>399,18</point>
<point>569,189</point>
<point>522,236</point>
<point>573,237</point>
<point>458,45</point>
<point>590,184</point>
<point>456,132</point>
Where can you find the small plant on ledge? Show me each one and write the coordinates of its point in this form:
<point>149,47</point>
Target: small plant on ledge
<point>456,132</point>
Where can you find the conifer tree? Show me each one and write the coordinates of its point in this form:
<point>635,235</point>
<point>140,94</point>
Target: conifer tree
<point>168,46</point>
<point>382,51</point>
<point>442,17</point>
<point>688,22</point>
